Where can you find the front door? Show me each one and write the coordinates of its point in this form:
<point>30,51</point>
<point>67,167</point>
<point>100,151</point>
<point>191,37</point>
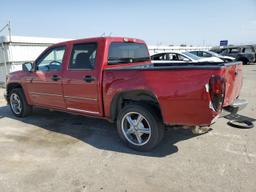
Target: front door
<point>45,86</point>
<point>80,84</point>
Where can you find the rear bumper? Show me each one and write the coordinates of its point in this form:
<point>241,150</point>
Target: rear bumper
<point>236,106</point>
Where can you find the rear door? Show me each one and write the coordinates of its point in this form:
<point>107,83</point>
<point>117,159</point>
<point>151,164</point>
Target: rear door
<point>80,85</point>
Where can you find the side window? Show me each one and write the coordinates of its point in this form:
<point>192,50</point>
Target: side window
<point>51,60</point>
<point>247,50</point>
<point>83,56</point>
<point>165,57</point>
<point>194,52</point>
<point>200,54</point>
<point>235,50</point>
<point>205,54</point>
<point>172,57</point>
<point>224,51</point>
<point>182,58</point>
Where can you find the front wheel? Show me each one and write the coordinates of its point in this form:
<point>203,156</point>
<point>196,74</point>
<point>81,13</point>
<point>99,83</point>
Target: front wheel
<point>139,127</point>
<point>18,103</point>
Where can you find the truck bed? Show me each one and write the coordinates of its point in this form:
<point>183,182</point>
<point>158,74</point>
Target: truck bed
<point>180,87</point>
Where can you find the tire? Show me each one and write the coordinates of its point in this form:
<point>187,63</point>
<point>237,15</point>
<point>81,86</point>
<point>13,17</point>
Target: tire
<point>244,61</point>
<point>140,127</point>
<point>18,103</point>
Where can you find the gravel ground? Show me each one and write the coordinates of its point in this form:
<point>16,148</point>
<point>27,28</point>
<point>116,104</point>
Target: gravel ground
<point>53,151</point>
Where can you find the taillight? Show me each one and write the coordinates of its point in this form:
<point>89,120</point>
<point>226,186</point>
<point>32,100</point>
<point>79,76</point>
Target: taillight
<point>217,91</point>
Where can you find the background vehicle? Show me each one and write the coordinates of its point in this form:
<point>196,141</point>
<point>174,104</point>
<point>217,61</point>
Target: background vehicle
<point>113,78</point>
<point>244,53</point>
<point>181,57</point>
<point>210,54</point>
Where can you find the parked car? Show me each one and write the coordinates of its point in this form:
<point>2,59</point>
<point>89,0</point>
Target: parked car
<point>113,78</point>
<point>244,53</point>
<point>210,54</point>
<point>179,57</point>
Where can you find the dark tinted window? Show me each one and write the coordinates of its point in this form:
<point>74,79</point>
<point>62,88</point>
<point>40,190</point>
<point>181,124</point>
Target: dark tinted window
<point>127,53</point>
<point>247,50</point>
<point>200,54</point>
<point>234,50</point>
<point>194,52</point>
<point>83,56</point>
<point>159,57</point>
<point>205,54</point>
<point>224,51</point>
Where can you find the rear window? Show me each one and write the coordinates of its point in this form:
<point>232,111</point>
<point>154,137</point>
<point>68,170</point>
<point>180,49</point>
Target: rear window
<point>127,53</point>
<point>234,50</point>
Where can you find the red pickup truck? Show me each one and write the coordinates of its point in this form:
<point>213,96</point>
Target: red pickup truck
<point>113,78</point>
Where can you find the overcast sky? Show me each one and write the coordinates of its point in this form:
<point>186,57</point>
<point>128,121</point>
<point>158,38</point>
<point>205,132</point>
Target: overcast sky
<point>193,22</point>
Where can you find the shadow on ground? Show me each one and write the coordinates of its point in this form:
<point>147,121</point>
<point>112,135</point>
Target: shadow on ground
<point>239,117</point>
<point>96,132</point>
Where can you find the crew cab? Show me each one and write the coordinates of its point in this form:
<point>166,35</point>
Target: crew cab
<point>113,78</point>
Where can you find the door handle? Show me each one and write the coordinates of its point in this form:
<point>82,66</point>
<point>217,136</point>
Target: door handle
<point>55,78</point>
<point>88,78</point>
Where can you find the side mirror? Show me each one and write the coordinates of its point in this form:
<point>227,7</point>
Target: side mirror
<point>27,66</point>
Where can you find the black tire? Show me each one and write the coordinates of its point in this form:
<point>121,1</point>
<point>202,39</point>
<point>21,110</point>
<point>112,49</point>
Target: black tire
<point>245,61</point>
<point>26,109</point>
<point>150,117</point>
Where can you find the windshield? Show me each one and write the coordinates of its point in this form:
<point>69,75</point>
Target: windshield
<point>127,53</point>
<point>192,56</point>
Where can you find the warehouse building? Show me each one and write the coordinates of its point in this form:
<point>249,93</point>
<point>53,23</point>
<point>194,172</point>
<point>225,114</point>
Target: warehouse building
<point>16,50</point>
<point>19,49</point>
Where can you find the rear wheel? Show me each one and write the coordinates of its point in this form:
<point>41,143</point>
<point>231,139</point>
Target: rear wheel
<point>18,103</point>
<point>139,127</point>
<point>245,61</point>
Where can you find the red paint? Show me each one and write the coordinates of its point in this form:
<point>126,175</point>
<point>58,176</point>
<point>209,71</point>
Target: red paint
<point>181,93</point>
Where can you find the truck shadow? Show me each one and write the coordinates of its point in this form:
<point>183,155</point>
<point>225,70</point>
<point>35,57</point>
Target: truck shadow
<point>95,132</point>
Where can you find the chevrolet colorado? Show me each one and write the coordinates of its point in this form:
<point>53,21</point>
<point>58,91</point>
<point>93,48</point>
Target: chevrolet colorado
<point>113,78</point>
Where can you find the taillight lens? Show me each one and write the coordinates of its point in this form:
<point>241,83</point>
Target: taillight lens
<point>217,91</point>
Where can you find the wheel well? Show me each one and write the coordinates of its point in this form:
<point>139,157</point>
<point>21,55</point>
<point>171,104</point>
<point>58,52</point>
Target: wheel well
<point>140,97</point>
<point>12,86</point>
<point>243,59</point>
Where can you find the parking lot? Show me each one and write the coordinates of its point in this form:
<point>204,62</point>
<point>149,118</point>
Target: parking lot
<point>54,151</point>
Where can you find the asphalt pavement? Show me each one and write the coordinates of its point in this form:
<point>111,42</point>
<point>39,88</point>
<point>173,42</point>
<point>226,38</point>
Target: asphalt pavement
<point>54,151</point>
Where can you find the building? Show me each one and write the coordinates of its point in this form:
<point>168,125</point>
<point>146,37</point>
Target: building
<point>20,49</point>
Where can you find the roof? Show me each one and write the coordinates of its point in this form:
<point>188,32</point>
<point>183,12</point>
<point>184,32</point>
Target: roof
<point>106,38</point>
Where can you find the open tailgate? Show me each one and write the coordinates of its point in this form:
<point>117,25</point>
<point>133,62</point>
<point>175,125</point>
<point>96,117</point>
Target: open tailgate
<point>233,74</point>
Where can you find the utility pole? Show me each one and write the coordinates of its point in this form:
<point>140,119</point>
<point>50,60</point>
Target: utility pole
<point>9,30</point>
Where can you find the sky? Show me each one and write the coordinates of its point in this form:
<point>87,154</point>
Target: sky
<point>158,22</point>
